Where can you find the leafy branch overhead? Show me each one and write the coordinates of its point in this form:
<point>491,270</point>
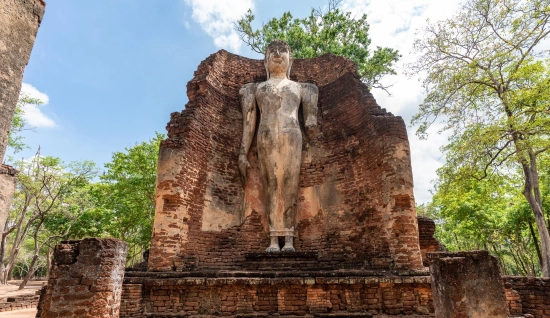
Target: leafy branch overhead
<point>321,32</point>
<point>18,124</point>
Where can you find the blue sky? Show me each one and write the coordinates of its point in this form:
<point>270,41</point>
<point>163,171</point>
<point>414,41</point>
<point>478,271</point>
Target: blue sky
<point>111,72</point>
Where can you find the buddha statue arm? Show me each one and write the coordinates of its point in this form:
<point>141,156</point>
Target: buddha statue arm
<point>248,106</point>
<point>309,94</point>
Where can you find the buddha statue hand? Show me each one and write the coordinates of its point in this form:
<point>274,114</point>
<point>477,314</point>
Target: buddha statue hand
<point>311,131</point>
<point>243,165</point>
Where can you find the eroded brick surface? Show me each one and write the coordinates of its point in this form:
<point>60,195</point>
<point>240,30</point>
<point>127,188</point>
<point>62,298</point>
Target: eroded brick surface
<point>19,302</point>
<point>8,181</point>
<point>283,296</point>
<point>356,205</point>
<point>85,279</point>
<point>19,22</point>
<point>528,295</point>
<point>467,285</point>
<point>131,301</point>
<point>428,243</point>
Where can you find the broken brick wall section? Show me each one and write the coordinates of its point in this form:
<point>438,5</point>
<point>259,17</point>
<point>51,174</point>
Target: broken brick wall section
<point>131,301</point>
<point>85,279</point>
<point>428,243</point>
<point>467,284</point>
<point>528,295</point>
<point>28,301</point>
<point>293,296</point>
<point>355,208</point>
<point>8,180</point>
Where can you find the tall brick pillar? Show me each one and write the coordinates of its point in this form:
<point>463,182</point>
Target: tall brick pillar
<point>467,285</point>
<point>85,280</point>
<point>19,22</point>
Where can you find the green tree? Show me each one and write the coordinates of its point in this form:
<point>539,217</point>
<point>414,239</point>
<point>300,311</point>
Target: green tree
<point>488,82</point>
<point>47,190</point>
<point>333,32</point>
<point>487,214</point>
<point>125,199</point>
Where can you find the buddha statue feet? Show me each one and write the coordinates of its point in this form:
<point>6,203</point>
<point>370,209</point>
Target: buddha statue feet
<point>273,249</point>
<point>289,244</point>
<point>274,245</point>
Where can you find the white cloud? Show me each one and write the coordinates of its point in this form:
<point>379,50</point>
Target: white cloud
<point>216,18</point>
<point>393,23</point>
<point>33,115</point>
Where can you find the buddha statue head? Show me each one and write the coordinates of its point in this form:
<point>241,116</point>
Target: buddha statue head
<point>277,58</point>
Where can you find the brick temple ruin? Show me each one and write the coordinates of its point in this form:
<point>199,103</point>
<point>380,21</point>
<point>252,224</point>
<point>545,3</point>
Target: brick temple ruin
<point>356,206</point>
<point>361,251</point>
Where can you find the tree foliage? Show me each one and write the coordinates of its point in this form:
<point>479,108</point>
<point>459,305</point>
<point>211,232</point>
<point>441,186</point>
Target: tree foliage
<point>488,81</point>
<point>49,198</point>
<point>487,214</point>
<point>15,139</point>
<point>124,199</point>
<point>333,32</point>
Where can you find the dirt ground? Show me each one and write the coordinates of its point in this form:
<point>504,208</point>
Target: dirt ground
<point>12,290</point>
<point>23,313</point>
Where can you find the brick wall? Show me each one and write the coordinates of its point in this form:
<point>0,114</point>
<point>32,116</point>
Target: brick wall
<point>85,279</point>
<point>8,180</point>
<point>19,302</point>
<point>131,304</point>
<point>356,205</point>
<point>524,295</point>
<point>242,296</point>
<point>467,284</point>
<point>528,295</point>
<point>428,243</point>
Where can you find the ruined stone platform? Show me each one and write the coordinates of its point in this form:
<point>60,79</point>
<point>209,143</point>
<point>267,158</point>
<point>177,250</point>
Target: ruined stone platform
<point>287,293</point>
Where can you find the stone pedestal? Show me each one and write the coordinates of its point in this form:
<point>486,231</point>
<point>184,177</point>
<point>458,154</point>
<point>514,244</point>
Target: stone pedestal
<point>467,285</point>
<point>282,260</point>
<point>85,280</point>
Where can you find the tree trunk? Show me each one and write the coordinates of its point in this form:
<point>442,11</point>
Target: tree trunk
<point>31,269</point>
<point>17,244</point>
<point>48,262</point>
<point>4,237</point>
<point>30,272</point>
<point>536,241</point>
<point>532,195</point>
